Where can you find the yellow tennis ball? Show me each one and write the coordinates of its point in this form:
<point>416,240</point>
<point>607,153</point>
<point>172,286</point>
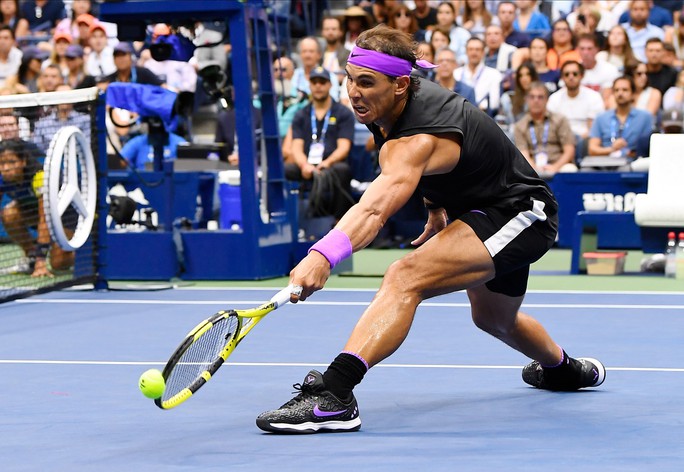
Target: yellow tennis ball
<point>152,384</point>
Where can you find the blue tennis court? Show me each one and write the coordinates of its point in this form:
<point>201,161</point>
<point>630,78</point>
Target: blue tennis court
<point>450,399</point>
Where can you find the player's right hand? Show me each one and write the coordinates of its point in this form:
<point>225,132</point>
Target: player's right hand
<point>311,274</point>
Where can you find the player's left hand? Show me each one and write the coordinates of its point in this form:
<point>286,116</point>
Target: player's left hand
<point>437,221</point>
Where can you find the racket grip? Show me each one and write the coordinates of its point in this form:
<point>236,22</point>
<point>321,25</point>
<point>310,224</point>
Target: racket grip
<point>282,297</point>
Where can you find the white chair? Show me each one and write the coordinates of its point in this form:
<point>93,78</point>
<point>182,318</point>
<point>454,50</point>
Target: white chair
<point>663,203</point>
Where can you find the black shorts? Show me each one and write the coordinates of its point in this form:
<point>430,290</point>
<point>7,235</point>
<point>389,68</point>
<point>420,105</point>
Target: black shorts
<point>515,238</point>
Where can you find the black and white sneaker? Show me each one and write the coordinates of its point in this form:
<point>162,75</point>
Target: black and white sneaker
<point>313,410</point>
<point>572,375</point>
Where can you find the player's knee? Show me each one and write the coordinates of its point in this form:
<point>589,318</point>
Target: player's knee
<point>492,324</point>
<point>403,275</point>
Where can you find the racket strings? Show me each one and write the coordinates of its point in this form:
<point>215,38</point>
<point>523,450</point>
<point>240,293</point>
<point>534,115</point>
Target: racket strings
<point>200,355</point>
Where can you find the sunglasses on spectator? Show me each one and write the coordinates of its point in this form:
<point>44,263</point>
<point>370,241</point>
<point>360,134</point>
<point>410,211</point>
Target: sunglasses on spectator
<point>571,74</point>
<point>561,29</point>
<point>536,97</point>
<point>401,13</point>
<point>640,72</point>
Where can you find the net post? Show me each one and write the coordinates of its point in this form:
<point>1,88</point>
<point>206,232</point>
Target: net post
<point>102,186</point>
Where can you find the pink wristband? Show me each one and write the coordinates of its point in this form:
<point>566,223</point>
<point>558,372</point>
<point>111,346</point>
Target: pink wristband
<point>334,246</point>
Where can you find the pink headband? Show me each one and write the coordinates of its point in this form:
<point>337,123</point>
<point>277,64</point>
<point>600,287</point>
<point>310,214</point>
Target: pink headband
<point>384,63</point>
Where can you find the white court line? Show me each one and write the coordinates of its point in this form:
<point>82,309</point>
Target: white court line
<point>317,303</point>
<point>298,364</point>
<point>373,290</point>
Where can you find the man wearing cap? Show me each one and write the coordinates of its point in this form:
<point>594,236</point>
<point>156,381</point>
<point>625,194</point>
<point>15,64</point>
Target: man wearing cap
<point>126,71</point>
<point>10,56</point>
<point>100,61</point>
<point>489,217</point>
<point>322,136</point>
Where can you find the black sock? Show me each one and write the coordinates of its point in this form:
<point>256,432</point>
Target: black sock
<point>345,373</point>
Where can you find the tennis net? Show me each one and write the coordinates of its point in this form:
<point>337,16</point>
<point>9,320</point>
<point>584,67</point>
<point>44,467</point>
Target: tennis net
<point>48,191</point>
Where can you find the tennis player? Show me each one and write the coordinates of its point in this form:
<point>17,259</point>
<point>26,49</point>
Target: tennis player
<point>490,217</point>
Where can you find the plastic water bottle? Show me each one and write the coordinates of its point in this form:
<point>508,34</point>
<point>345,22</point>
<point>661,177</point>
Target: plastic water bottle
<point>671,255</point>
<point>680,257</point>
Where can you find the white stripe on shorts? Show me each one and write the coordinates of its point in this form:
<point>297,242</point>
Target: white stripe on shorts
<point>513,228</point>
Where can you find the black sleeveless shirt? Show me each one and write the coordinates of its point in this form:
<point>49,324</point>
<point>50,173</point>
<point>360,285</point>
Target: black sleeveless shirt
<point>491,171</point>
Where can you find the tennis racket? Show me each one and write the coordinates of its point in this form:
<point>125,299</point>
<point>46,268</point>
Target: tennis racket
<point>208,346</point>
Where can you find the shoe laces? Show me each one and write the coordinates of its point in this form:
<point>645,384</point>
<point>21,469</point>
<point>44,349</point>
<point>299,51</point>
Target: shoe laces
<point>303,391</point>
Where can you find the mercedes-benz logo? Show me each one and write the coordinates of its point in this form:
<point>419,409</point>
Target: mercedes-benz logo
<point>70,182</point>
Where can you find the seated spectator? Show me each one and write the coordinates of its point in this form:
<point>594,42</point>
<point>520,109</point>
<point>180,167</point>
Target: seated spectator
<point>401,18</point>
<point>60,115</point>
<point>579,104</point>
<point>588,18</point>
<point>446,59</point>
<point>100,61</point>
<point>425,14</point>
<point>618,50</point>
<point>543,137</point>
<point>674,97</point>
<point>11,16</point>
<point>485,80</point>
<point>22,177</point>
<point>458,36</point>
<point>61,41</point>
<point>70,24</point>
<point>505,13</point>
<point>77,76</point>
<point>424,51</point>
<point>10,56</point>
<point>42,15</point>
<point>322,136</point>
<point>310,55</point>
<point>50,78</point>
<point>660,76</point>
<point>476,18</point>
<point>562,46</point>
<point>625,131</point>
<point>355,21</point>
<point>439,39</point>
<point>530,21</point>
<point>335,55</point>
<point>645,97</point>
<point>675,37</point>
<point>539,52</point>
<point>497,53</point>
<point>13,126</point>
<point>127,72</point>
<point>29,70</point>
<point>639,29</point>
<point>514,103</point>
<point>657,15</point>
<point>138,151</point>
<point>598,76</point>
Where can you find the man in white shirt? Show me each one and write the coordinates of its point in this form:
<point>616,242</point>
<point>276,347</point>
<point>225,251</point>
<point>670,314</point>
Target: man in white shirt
<point>579,104</point>
<point>10,56</point>
<point>598,75</point>
<point>639,30</point>
<point>485,80</point>
<point>498,53</point>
